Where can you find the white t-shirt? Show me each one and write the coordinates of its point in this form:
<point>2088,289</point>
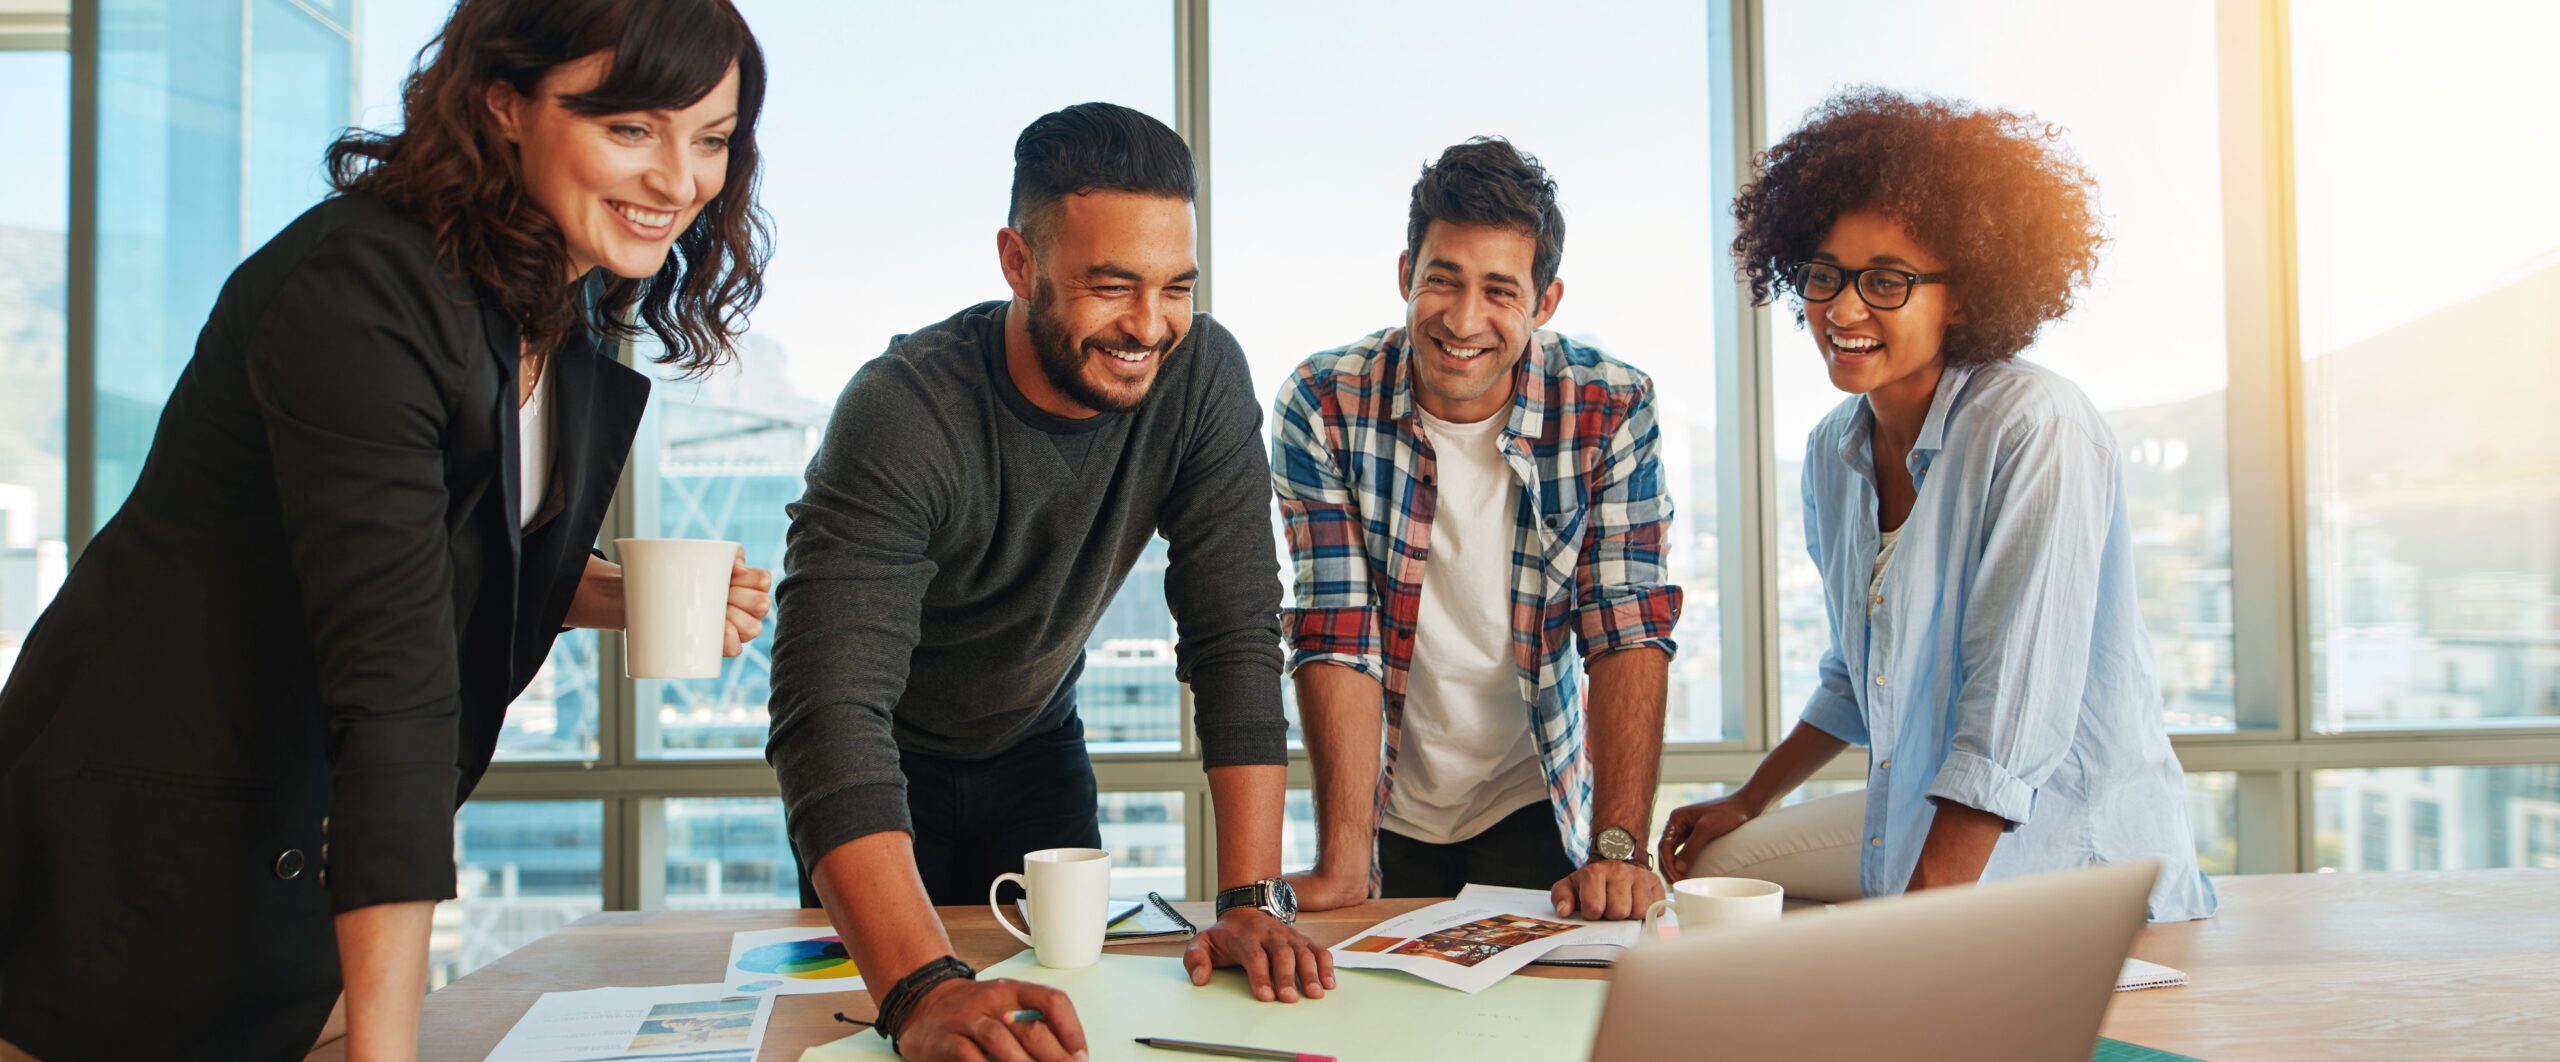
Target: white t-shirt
<point>1467,759</point>
<point>533,435</point>
<point>1884,556</point>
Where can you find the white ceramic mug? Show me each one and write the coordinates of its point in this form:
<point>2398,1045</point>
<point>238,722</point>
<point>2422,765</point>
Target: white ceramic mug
<point>1704,902</point>
<point>1072,884</point>
<point>675,593</point>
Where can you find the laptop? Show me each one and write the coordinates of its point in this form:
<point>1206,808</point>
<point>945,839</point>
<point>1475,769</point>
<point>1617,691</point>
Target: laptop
<point>2022,969</point>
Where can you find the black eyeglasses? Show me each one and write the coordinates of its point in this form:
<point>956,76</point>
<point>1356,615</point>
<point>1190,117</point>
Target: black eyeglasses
<point>1881,288</point>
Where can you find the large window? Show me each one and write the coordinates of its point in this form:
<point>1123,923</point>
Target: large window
<point>2145,341</point>
<point>1312,175</point>
<point>2430,364</point>
<point>887,179</point>
<point>34,282</point>
<point>2381,460</point>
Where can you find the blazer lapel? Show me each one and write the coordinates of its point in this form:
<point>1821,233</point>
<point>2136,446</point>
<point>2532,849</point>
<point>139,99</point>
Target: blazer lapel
<point>506,350</point>
<point>596,408</point>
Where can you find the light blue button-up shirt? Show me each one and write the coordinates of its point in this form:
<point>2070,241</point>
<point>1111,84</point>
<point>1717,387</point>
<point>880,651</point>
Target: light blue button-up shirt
<point>2002,664</point>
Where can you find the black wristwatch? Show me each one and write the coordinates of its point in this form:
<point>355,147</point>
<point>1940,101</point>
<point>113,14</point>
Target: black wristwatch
<point>1271,896</point>
<point>1616,843</point>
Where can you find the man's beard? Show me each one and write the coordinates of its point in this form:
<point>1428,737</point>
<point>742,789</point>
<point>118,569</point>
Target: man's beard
<point>1062,361</point>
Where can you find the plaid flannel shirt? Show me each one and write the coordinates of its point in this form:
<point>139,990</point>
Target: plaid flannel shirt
<point>1356,478</point>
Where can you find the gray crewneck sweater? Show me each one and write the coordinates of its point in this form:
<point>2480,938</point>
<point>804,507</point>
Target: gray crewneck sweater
<point>949,558</point>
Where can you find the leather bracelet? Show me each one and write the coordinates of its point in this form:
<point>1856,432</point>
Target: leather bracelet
<point>903,996</point>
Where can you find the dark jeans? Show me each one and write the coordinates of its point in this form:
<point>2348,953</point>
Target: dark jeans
<point>1522,851</point>
<point>975,819</point>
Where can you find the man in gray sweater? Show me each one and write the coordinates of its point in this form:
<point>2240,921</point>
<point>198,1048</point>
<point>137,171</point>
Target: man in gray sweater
<point>984,487</point>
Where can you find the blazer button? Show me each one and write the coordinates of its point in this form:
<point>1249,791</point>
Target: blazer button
<point>289,864</point>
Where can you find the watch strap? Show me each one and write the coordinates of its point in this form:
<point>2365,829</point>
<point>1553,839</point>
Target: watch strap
<point>1256,895</point>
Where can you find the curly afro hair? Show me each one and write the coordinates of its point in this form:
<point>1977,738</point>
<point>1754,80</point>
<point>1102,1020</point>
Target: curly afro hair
<point>1996,193</point>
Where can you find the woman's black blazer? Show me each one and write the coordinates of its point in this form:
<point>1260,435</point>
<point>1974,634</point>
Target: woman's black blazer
<point>276,671</point>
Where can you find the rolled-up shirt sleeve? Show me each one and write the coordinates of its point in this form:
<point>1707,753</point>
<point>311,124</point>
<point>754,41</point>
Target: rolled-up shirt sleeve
<point>2034,599</point>
<point>1334,615</point>
<point>1622,599</point>
<point>1833,708</point>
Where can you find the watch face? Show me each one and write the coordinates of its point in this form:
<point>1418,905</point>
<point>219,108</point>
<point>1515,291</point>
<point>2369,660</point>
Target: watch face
<point>1284,900</point>
<point>1615,843</point>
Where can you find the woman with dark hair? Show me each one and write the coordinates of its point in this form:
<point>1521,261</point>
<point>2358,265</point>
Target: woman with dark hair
<point>1967,513</point>
<point>231,750</point>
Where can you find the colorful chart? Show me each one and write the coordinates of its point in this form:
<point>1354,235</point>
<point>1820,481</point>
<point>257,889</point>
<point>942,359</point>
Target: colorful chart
<point>817,958</point>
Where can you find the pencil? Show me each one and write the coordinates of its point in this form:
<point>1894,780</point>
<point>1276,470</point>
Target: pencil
<point>1229,1050</point>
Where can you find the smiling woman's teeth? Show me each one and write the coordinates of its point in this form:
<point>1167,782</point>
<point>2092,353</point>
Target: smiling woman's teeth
<point>1854,344</point>
<point>646,218</point>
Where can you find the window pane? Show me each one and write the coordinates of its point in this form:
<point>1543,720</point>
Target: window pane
<point>727,853</point>
<point>210,129</point>
<point>523,868</point>
<point>1128,697</point>
<point>212,123</point>
<point>34,227</point>
<point>2213,809</point>
<point>2145,342</point>
<point>1298,836</point>
<point>1144,833</point>
<point>1314,175</point>
<point>730,451</point>
<point>2429,818</point>
<point>555,717</point>
<point>2430,364</point>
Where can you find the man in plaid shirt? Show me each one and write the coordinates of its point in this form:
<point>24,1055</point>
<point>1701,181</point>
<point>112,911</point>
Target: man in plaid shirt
<point>1467,497</point>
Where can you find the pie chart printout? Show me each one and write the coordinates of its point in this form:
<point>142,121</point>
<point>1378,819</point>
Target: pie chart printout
<point>819,958</point>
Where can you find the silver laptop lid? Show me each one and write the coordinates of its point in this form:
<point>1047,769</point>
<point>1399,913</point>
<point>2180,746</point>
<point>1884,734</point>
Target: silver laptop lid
<point>2021,969</point>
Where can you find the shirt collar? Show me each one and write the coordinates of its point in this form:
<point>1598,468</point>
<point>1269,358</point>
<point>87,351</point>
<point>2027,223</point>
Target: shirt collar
<point>1855,445</point>
<point>1528,403</point>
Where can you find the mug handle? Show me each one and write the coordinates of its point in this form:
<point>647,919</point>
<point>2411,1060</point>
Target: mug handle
<point>1651,912</point>
<point>1001,920</point>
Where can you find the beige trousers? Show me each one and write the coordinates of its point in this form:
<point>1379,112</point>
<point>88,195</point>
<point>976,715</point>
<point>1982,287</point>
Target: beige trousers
<point>1810,849</point>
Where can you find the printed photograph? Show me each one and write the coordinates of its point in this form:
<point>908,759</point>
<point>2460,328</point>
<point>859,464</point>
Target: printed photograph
<point>1474,942</point>
<point>703,1023</point>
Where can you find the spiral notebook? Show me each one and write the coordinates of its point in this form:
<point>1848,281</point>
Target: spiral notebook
<point>1132,922</point>
<point>2138,974</point>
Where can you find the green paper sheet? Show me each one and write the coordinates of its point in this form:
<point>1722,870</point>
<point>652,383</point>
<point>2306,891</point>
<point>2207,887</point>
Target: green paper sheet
<point>1372,1015</point>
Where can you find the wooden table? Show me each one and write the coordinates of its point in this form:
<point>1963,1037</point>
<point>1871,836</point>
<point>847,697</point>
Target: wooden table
<point>2296,966</point>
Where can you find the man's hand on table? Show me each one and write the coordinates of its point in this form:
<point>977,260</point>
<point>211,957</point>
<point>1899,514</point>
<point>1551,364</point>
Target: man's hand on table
<point>1607,890</point>
<point>971,1020</point>
<point>1280,961</point>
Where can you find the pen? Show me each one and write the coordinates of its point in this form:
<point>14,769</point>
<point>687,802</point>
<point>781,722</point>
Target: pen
<point>1228,1050</point>
<point>1023,1015</point>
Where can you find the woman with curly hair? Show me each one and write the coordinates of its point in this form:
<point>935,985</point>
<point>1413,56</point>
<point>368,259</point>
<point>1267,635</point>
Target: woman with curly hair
<point>232,749</point>
<point>1967,513</point>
